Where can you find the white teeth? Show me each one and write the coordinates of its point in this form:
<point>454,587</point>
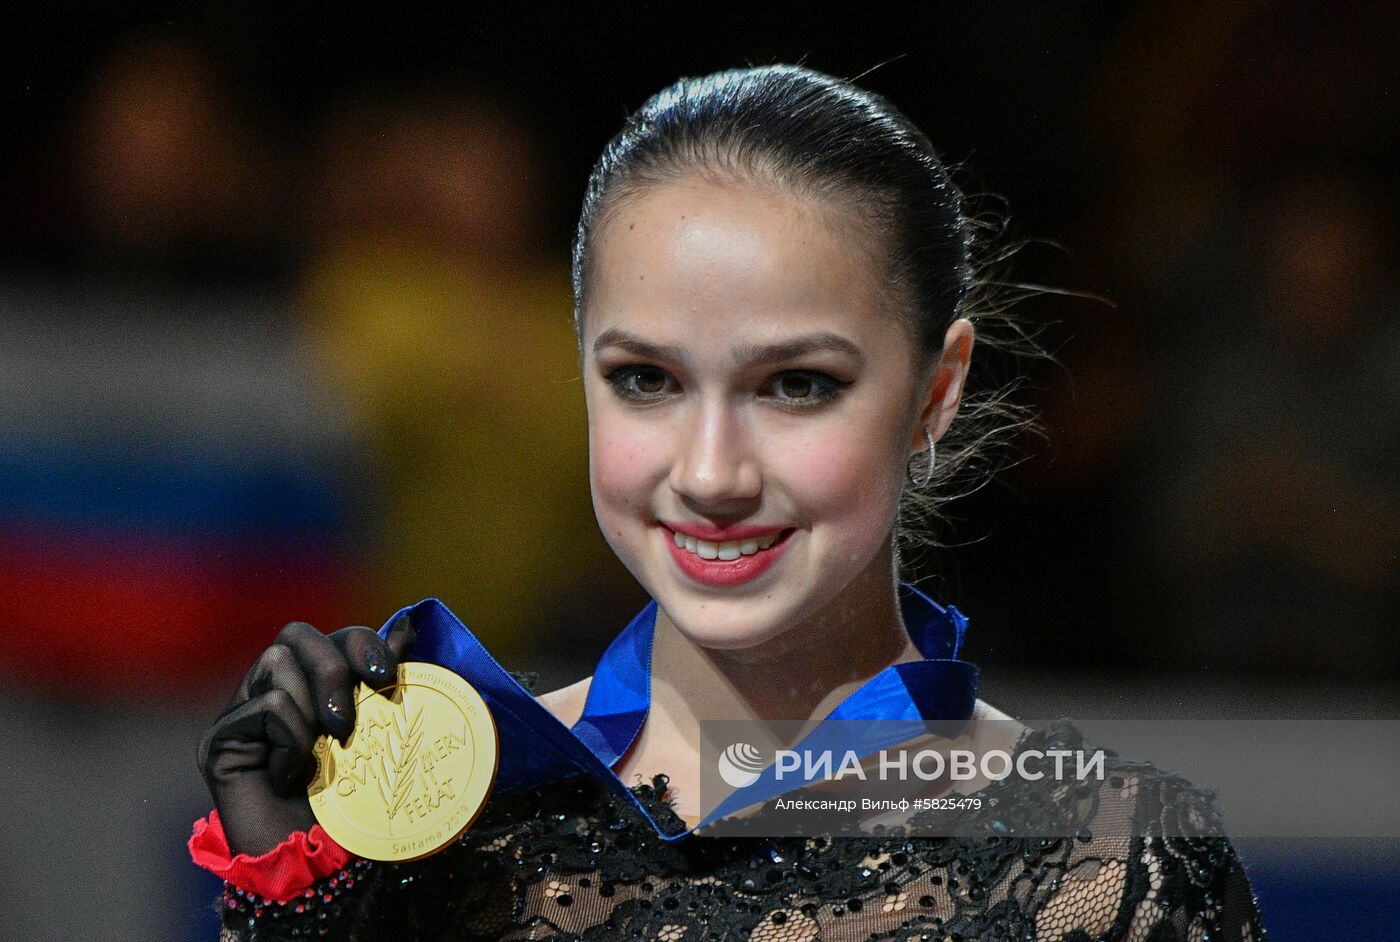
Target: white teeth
<point>728,550</point>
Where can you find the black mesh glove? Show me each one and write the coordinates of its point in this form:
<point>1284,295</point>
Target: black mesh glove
<point>256,758</point>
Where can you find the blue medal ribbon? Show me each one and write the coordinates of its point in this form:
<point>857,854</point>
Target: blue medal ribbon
<point>904,698</point>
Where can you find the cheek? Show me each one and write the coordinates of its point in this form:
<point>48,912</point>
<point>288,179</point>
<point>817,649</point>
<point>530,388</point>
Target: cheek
<point>846,485</point>
<point>844,482</point>
<point>622,468</point>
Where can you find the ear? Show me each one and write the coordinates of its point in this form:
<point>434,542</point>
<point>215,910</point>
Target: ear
<point>945,384</point>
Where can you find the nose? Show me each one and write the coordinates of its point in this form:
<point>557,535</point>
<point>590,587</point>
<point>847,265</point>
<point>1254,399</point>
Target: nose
<point>715,468</point>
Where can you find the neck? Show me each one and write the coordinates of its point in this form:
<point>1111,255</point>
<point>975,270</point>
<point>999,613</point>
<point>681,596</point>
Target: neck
<point>801,674</point>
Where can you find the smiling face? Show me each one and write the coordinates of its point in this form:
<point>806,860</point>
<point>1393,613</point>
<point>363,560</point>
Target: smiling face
<point>744,383</point>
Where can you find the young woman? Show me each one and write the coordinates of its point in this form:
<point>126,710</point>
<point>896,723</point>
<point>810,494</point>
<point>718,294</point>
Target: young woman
<point>776,307</point>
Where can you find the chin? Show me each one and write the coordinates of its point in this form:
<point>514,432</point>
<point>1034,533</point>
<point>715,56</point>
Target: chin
<point>722,631</point>
<point>733,621</point>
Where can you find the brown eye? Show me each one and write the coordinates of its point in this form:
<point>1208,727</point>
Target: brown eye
<point>803,389</point>
<point>649,381</point>
<point>795,386</point>
<point>639,383</point>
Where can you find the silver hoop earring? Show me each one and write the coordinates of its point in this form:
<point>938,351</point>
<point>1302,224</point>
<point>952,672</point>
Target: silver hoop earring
<point>928,472</point>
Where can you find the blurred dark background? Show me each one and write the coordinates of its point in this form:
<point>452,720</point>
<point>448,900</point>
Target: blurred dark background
<point>284,335</point>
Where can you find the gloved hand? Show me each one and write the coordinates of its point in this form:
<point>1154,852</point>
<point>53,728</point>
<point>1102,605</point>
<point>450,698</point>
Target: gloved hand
<point>256,758</point>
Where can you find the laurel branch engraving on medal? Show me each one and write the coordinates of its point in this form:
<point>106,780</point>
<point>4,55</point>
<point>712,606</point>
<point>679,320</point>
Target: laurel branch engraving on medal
<point>396,762</point>
<point>396,757</point>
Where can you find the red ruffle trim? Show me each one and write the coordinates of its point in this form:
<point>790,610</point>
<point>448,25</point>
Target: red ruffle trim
<point>283,872</point>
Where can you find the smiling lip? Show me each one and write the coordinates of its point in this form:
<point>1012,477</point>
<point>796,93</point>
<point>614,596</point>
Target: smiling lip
<point>719,572</point>
<point>720,534</point>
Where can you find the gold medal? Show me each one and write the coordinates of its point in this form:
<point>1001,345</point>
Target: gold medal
<point>414,773</point>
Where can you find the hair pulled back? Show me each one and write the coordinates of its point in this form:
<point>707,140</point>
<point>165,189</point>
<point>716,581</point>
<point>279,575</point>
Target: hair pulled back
<point>824,138</point>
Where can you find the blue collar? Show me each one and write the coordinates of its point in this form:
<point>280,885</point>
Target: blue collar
<point>906,696</point>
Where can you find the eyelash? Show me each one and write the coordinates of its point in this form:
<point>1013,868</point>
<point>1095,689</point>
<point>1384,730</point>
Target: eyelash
<point>824,388</point>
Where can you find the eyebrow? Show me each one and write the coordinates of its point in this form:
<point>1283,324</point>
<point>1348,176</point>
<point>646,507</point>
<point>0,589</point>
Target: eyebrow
<point>745,354</point>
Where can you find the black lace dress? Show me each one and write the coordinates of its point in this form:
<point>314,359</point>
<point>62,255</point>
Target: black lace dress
<point>570,861</point>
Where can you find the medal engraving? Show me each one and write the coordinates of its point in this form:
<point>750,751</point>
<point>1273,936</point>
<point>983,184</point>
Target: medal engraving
<point>415,772</point>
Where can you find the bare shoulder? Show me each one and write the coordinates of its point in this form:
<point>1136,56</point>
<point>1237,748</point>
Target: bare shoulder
<point>985,711</point>
<point>566,703</point>
<point>994,729</point>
